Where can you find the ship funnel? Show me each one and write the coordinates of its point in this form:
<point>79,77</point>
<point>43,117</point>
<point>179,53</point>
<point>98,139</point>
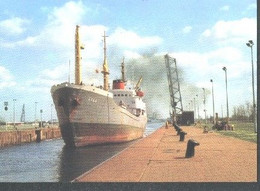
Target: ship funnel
<point>105,71</point>
<point>78,46</point>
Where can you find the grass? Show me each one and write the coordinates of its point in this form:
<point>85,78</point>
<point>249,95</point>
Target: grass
<point>242,130</point>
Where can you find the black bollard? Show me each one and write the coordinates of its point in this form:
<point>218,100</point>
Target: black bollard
<point>182,135</point>
<point>178,131</point>
<point>176,126</point>
<point>38,133</point>
<point>190,148</point>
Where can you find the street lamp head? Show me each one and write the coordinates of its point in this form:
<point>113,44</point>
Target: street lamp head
<point>224,68</point>
<point>211,80</point>
<point>251,42</point>
<point>248,44</point>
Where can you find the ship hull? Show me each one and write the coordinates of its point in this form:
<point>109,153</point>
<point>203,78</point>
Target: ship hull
<point>88,115</point>
<point>91,134</point>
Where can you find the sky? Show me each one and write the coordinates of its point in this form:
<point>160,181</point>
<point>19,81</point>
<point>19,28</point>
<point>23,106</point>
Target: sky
<point>37,49</point>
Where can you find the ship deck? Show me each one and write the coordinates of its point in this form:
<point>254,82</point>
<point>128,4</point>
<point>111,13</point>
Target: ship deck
<point>160,157</point>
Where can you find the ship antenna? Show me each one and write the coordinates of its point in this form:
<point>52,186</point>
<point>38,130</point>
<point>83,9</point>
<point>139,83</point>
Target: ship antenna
<point>123,70</point>
<point>78,46</point>
<point>105,65</point>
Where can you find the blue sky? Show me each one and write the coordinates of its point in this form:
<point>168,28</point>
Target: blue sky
<point>37,42</point>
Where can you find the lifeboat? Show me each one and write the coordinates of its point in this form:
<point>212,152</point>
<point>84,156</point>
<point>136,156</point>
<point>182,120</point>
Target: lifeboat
<point>140,93</point>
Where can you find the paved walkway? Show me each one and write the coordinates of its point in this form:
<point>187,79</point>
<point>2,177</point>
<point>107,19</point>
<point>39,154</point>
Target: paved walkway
<point>160,157</point>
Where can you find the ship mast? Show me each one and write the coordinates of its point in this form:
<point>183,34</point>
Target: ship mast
<point>123,70</point>
<point>78,46</point>
<point>105,65</point>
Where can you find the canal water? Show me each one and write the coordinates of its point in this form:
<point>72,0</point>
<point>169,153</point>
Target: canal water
<point>51,161</point>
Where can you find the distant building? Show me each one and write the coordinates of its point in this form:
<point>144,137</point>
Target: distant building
<point>16,123</point>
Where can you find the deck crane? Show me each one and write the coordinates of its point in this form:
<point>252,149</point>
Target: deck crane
<point>137,86</point>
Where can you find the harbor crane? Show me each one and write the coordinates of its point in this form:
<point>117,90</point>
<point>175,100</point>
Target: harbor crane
<point>174,87</point>
<point>177,114</point>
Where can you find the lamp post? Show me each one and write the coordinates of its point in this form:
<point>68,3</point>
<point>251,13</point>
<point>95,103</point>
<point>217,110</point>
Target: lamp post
<point>222,112</point>
<point>6,108</point>
<point>198,108</point>
<point>225,69</point>
<point>204,102</point>
<point>194,107</point>
<point>35,112</point>
<point>14,100</point>
<point>250,45</point>
<point>213,101</point>
<point>41,117</point>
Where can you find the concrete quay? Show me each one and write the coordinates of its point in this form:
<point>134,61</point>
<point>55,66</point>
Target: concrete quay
<point>17,137</point>
<point>160,157</point>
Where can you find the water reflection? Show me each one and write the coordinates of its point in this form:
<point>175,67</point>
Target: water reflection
<point>76,161</point>
<point>51,161</point>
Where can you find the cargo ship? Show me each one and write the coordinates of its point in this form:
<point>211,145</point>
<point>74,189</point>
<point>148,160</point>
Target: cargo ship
<point>91,114</point>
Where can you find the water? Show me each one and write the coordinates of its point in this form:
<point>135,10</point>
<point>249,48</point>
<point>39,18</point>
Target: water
<point>51,161</point>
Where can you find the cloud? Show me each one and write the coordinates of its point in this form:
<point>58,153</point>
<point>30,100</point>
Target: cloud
<point>131,40</point>
<point>54,73</point>
<point>61,25</point>
<point>210,63</point>
<point>186,29</point>
<point>56,41</point>
<point>58,34</point>
<point>224,8</point>
<point>13,26</point>
<point>252,6</point>
<point>59,30</point>
<point>236,31</point>
<point>131,54</point>
<point>6,78</point>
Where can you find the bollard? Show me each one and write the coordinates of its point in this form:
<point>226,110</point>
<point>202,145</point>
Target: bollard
<point>182,135</point>
<point>176,126</point>
<point>166,125</point>
<point>206,130</point>
<point>190,148</point>
<point>178,131</point>
<point>38,133</point>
